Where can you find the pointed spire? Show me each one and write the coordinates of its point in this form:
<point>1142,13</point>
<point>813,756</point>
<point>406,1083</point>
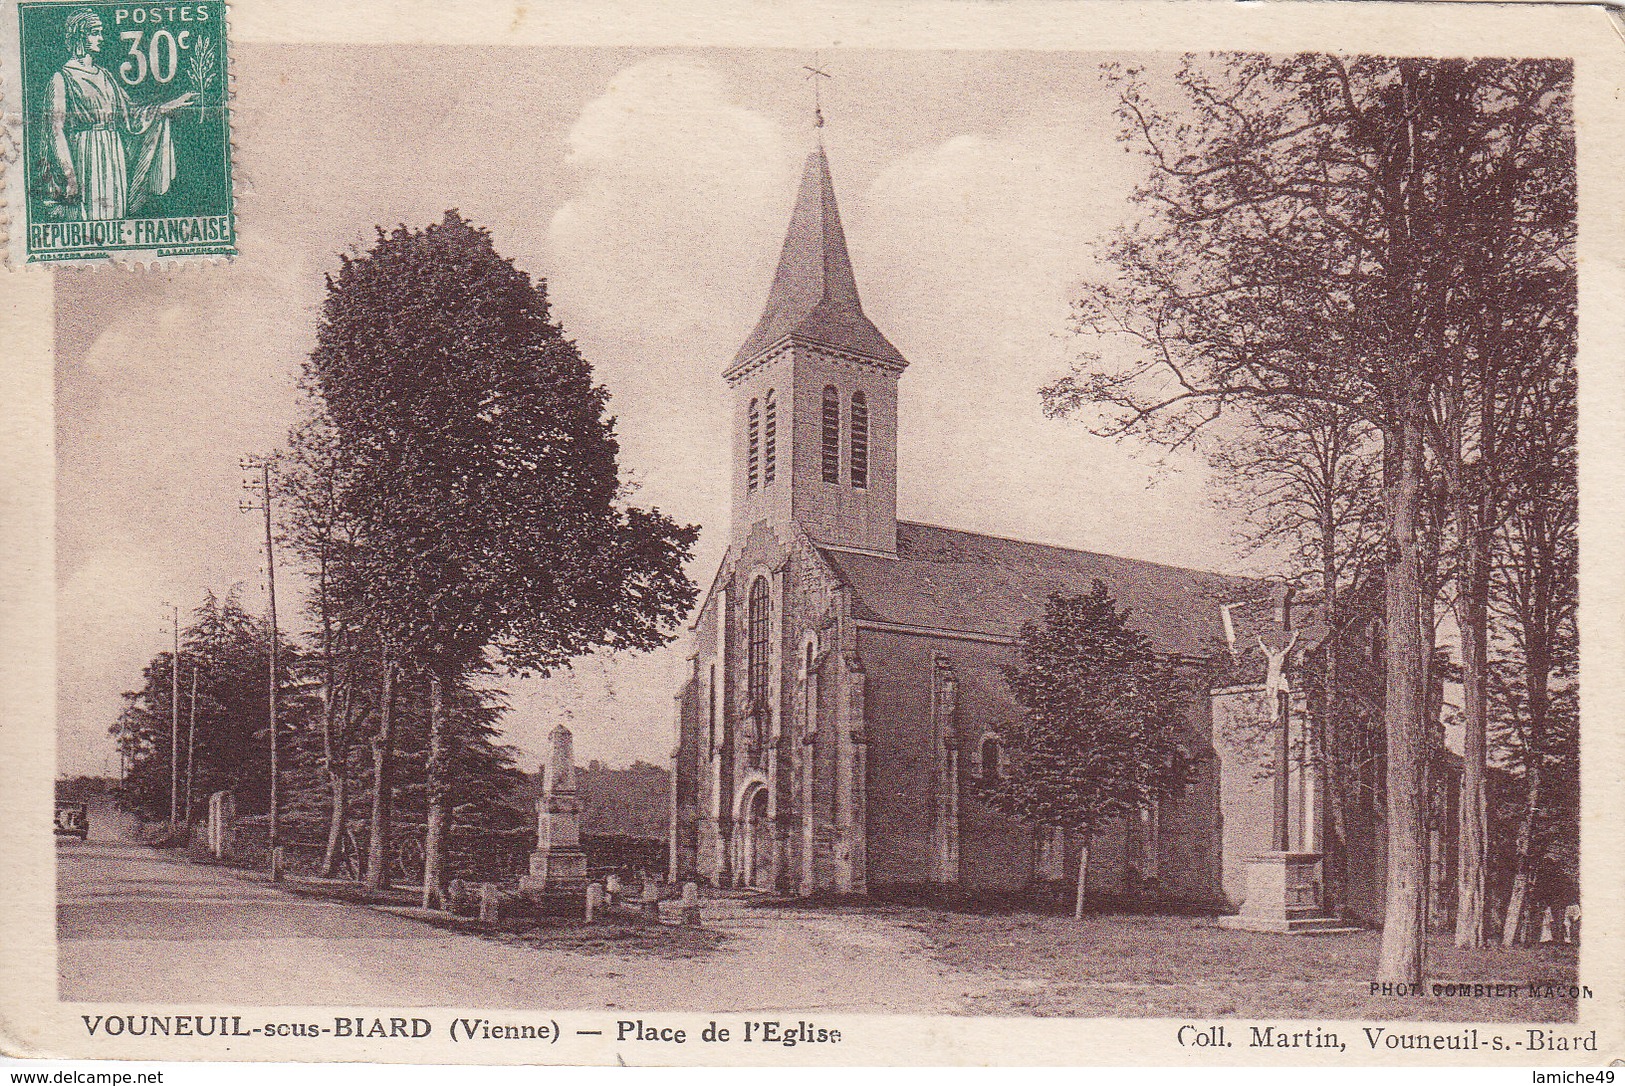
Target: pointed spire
<point>814,294</point>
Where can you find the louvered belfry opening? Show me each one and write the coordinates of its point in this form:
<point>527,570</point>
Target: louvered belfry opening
<point>832,434</point>
<point>860,441</point>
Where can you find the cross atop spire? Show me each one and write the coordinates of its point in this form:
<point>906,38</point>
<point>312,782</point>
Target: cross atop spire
<point>814,74</point>
<point>814,296</point>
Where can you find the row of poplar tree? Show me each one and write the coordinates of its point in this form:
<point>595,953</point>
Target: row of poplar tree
<point>223,739</point>
<point>452,498</point>
<point>1353,285</point>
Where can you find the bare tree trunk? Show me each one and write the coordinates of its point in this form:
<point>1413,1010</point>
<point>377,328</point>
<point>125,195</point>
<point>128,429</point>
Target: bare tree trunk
<point>1521,874</point>
<point>1333,846</point>
<point>434,841</point>
<point>1472,616</point>
<point>338,792</point>
<point>1083,877</point>
<point>334,751</point>
<point>1404,922</point>
<point>383,756</point>
<point>1537,663</point>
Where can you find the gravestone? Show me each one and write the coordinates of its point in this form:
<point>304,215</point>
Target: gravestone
<point>490,902</point>
<point>595,901</point>
<point>650,900</point>
<point>691,904</point>
<point>222,813</point>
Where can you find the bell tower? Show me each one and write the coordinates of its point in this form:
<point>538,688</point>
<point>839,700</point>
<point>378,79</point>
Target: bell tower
<point>815,393</point>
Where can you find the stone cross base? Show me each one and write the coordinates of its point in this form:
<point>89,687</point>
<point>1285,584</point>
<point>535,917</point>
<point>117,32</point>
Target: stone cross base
<point>1283,895</point>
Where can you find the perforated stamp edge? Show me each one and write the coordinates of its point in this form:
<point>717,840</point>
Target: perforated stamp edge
<point>14,217</point>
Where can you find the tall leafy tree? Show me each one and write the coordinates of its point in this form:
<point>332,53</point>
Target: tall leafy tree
<point>1102,726</point>
<point>1515,327</point>
<point>317,527</point>
<point>228,748</point>
<point>1300,245</point>
<point>480,474</point>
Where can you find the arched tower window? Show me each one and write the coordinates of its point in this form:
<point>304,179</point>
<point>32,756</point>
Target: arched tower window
<point>832,435</point>
<point>770,440</point>
<point>987,760</point>
<point>860,441</point>
<point>752,445</point>
<point>758,621</point>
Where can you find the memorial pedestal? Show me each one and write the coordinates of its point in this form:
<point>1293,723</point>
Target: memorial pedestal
<point>556,869</point>
<point>1284,896</point>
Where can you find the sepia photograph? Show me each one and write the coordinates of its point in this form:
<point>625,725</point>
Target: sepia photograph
<point>658,537</point>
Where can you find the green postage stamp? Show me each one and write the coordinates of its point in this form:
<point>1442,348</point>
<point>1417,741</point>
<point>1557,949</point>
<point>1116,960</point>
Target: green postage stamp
<point>119,112</point>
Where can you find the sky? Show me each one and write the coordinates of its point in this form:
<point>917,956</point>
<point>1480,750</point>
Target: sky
<point>650,189</point>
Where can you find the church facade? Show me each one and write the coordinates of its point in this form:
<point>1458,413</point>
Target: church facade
<point>845,690</point>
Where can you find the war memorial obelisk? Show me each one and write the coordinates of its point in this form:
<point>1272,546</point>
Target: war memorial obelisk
<point>558,864</point>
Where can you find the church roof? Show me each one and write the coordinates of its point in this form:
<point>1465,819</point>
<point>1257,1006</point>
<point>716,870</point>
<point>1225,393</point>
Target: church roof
<point>970,583</point>
<point>814,294</point>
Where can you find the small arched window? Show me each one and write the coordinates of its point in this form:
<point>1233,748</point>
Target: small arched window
<point>752,445</point>
<point>860,441</point>
<point>832,435</point>
<point>770,439</point>
<point>758,621</point>
<point>988,763</point>
<point>992,758</point>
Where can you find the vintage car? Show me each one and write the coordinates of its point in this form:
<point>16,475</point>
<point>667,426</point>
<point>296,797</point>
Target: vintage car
<point>72,820</point>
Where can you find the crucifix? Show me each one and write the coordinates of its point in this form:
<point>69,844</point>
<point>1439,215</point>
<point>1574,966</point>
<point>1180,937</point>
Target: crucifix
<point>815,73</point>
<point>1278,696</point>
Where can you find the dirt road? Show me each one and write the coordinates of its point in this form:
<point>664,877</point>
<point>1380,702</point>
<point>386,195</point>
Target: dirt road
<point>139,925</point>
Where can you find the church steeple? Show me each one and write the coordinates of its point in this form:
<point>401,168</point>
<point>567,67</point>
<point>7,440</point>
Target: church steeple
<point>815,393</point>
<point>814,296</point>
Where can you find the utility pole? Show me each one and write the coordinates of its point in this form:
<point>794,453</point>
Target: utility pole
<point>263,486</point>
<point>175,721</point>
<point>191,741</point>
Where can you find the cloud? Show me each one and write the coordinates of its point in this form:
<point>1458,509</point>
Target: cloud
<point>109,628</point>
<point>970,252</point>
<point>150,433</point>
<point>658,264</point>
<point>680,193</point>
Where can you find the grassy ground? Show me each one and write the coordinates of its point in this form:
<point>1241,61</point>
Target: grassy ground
<point>1122,965</point>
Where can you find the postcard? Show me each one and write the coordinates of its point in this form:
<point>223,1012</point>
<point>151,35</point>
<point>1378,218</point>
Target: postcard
<point>927,534</point>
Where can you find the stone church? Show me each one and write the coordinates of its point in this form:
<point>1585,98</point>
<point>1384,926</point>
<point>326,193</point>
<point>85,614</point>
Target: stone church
<point>844,687</point>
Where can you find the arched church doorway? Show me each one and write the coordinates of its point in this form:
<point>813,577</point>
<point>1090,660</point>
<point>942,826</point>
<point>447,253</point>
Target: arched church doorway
<point>756,839</point>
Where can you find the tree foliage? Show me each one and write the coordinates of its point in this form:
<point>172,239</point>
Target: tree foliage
<point>230,749</point>
<point>458,493</point>
<point>479,466</point>
<point>1102,728</point>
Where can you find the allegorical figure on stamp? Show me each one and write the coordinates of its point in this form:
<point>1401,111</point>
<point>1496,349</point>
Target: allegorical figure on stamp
<point>110,155</point>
